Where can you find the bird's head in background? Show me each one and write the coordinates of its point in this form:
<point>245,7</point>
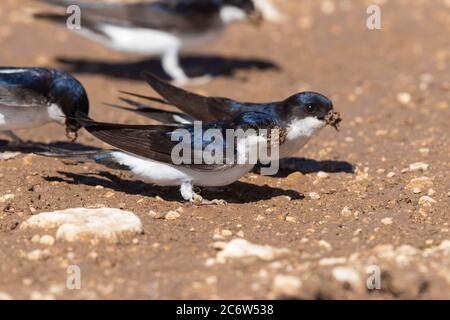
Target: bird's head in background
<point>69,100</point>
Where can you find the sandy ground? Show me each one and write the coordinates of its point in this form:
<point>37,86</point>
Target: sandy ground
<point>392,87</point>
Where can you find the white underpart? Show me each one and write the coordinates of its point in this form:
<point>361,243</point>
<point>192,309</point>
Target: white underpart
<point>55,113</point>
<point>15,118</point>
<point>163,174</point>
<point>151,42</point>
<point>230,14</point>
<point>11,71</point>
<point>139,40</point>
<point>268,10</point>
<point>299,133</point>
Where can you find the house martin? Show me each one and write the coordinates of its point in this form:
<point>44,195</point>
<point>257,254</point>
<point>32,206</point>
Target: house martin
<point>32,97</point>
<point>157,28</point>
<point>148,150</point>
<point>303,112</point>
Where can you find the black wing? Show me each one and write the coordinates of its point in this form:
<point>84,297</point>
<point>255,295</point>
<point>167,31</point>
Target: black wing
<point>182,16</point>
<point>155,141</point>
<point>150,141</point>
<point>162,116</point>
<point>198,106</point>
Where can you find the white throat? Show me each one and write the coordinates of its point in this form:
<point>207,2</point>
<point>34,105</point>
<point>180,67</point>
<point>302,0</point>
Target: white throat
<point>298,134</point>
<point>229,14</point>
<point>56,114</point>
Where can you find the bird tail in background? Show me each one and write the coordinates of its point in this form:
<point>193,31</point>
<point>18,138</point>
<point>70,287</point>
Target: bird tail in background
<point>54,17</point>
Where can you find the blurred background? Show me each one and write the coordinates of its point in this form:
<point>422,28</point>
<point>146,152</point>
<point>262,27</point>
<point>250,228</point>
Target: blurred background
<point>392,87</point>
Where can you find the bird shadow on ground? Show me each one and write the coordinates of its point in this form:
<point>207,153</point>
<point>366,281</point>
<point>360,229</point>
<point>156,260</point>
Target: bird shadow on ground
<point>305,166</point>
<point>36,147</point>
<point>238,192</point>
<point>194,66</point>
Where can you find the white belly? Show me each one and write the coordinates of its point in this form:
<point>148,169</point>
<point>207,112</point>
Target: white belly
<point>169,175</point>
<point>15,118</point>
<point>136,40</point>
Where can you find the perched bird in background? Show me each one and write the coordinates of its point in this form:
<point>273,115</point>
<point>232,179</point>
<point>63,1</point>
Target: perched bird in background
<point>157,28</point>
<point>303,113</point>
<point>32,97</point>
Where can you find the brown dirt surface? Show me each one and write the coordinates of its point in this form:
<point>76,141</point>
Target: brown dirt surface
<point>392,88</point>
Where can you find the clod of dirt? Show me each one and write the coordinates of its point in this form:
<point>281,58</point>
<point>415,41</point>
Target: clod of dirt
<point>87,224</point>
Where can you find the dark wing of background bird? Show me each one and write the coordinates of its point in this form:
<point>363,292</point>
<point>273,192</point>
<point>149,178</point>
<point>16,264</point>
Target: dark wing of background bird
<point>20,87</point>
<point>175,16</point>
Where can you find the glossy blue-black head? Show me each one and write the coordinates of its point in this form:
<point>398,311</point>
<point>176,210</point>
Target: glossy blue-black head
<point>71,97</point>
<point>309,104</point>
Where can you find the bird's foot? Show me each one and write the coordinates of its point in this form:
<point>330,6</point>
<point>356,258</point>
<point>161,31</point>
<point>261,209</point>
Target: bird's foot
<point>197,81</point>
<point>199,200</point>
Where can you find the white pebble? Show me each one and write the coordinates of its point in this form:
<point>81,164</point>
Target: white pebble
<point>314,196</point>
<point>404,98</point>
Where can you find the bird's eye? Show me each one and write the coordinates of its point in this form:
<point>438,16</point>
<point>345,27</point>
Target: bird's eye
<point>310,108</point>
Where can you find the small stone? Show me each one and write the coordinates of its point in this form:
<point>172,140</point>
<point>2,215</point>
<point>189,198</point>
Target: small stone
<point>431,192</point>
<point>404,98</point>
<point>286,286</point>
<point>381,132</point>
<point>323,175</point>
<point>420,183</point>
<point>47,240</point>
<point>109,194</point>
<point>426,201</point>
<point>8,155</point>
<point>156,215</point>
<point>416,190</point>
<point>314,196</point>
<point>172,215</point>
<point>418,166</point>
<point>240,234</point>
<point>259,218</point>
<point>6,197</point>
<point>328,7</point>
<point>36,238</point>
<point>390,174</point>
<point>38,254</point>
<point>347,275</point>
<point>424,151</point>
<point>240,248</point>
<point>295,176</point>
<point>346,212</point>
<point>325,244</point>
<point>291,219</point>
<point>387,221</point>
<point>87,224</point>
<point>226,233</point>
